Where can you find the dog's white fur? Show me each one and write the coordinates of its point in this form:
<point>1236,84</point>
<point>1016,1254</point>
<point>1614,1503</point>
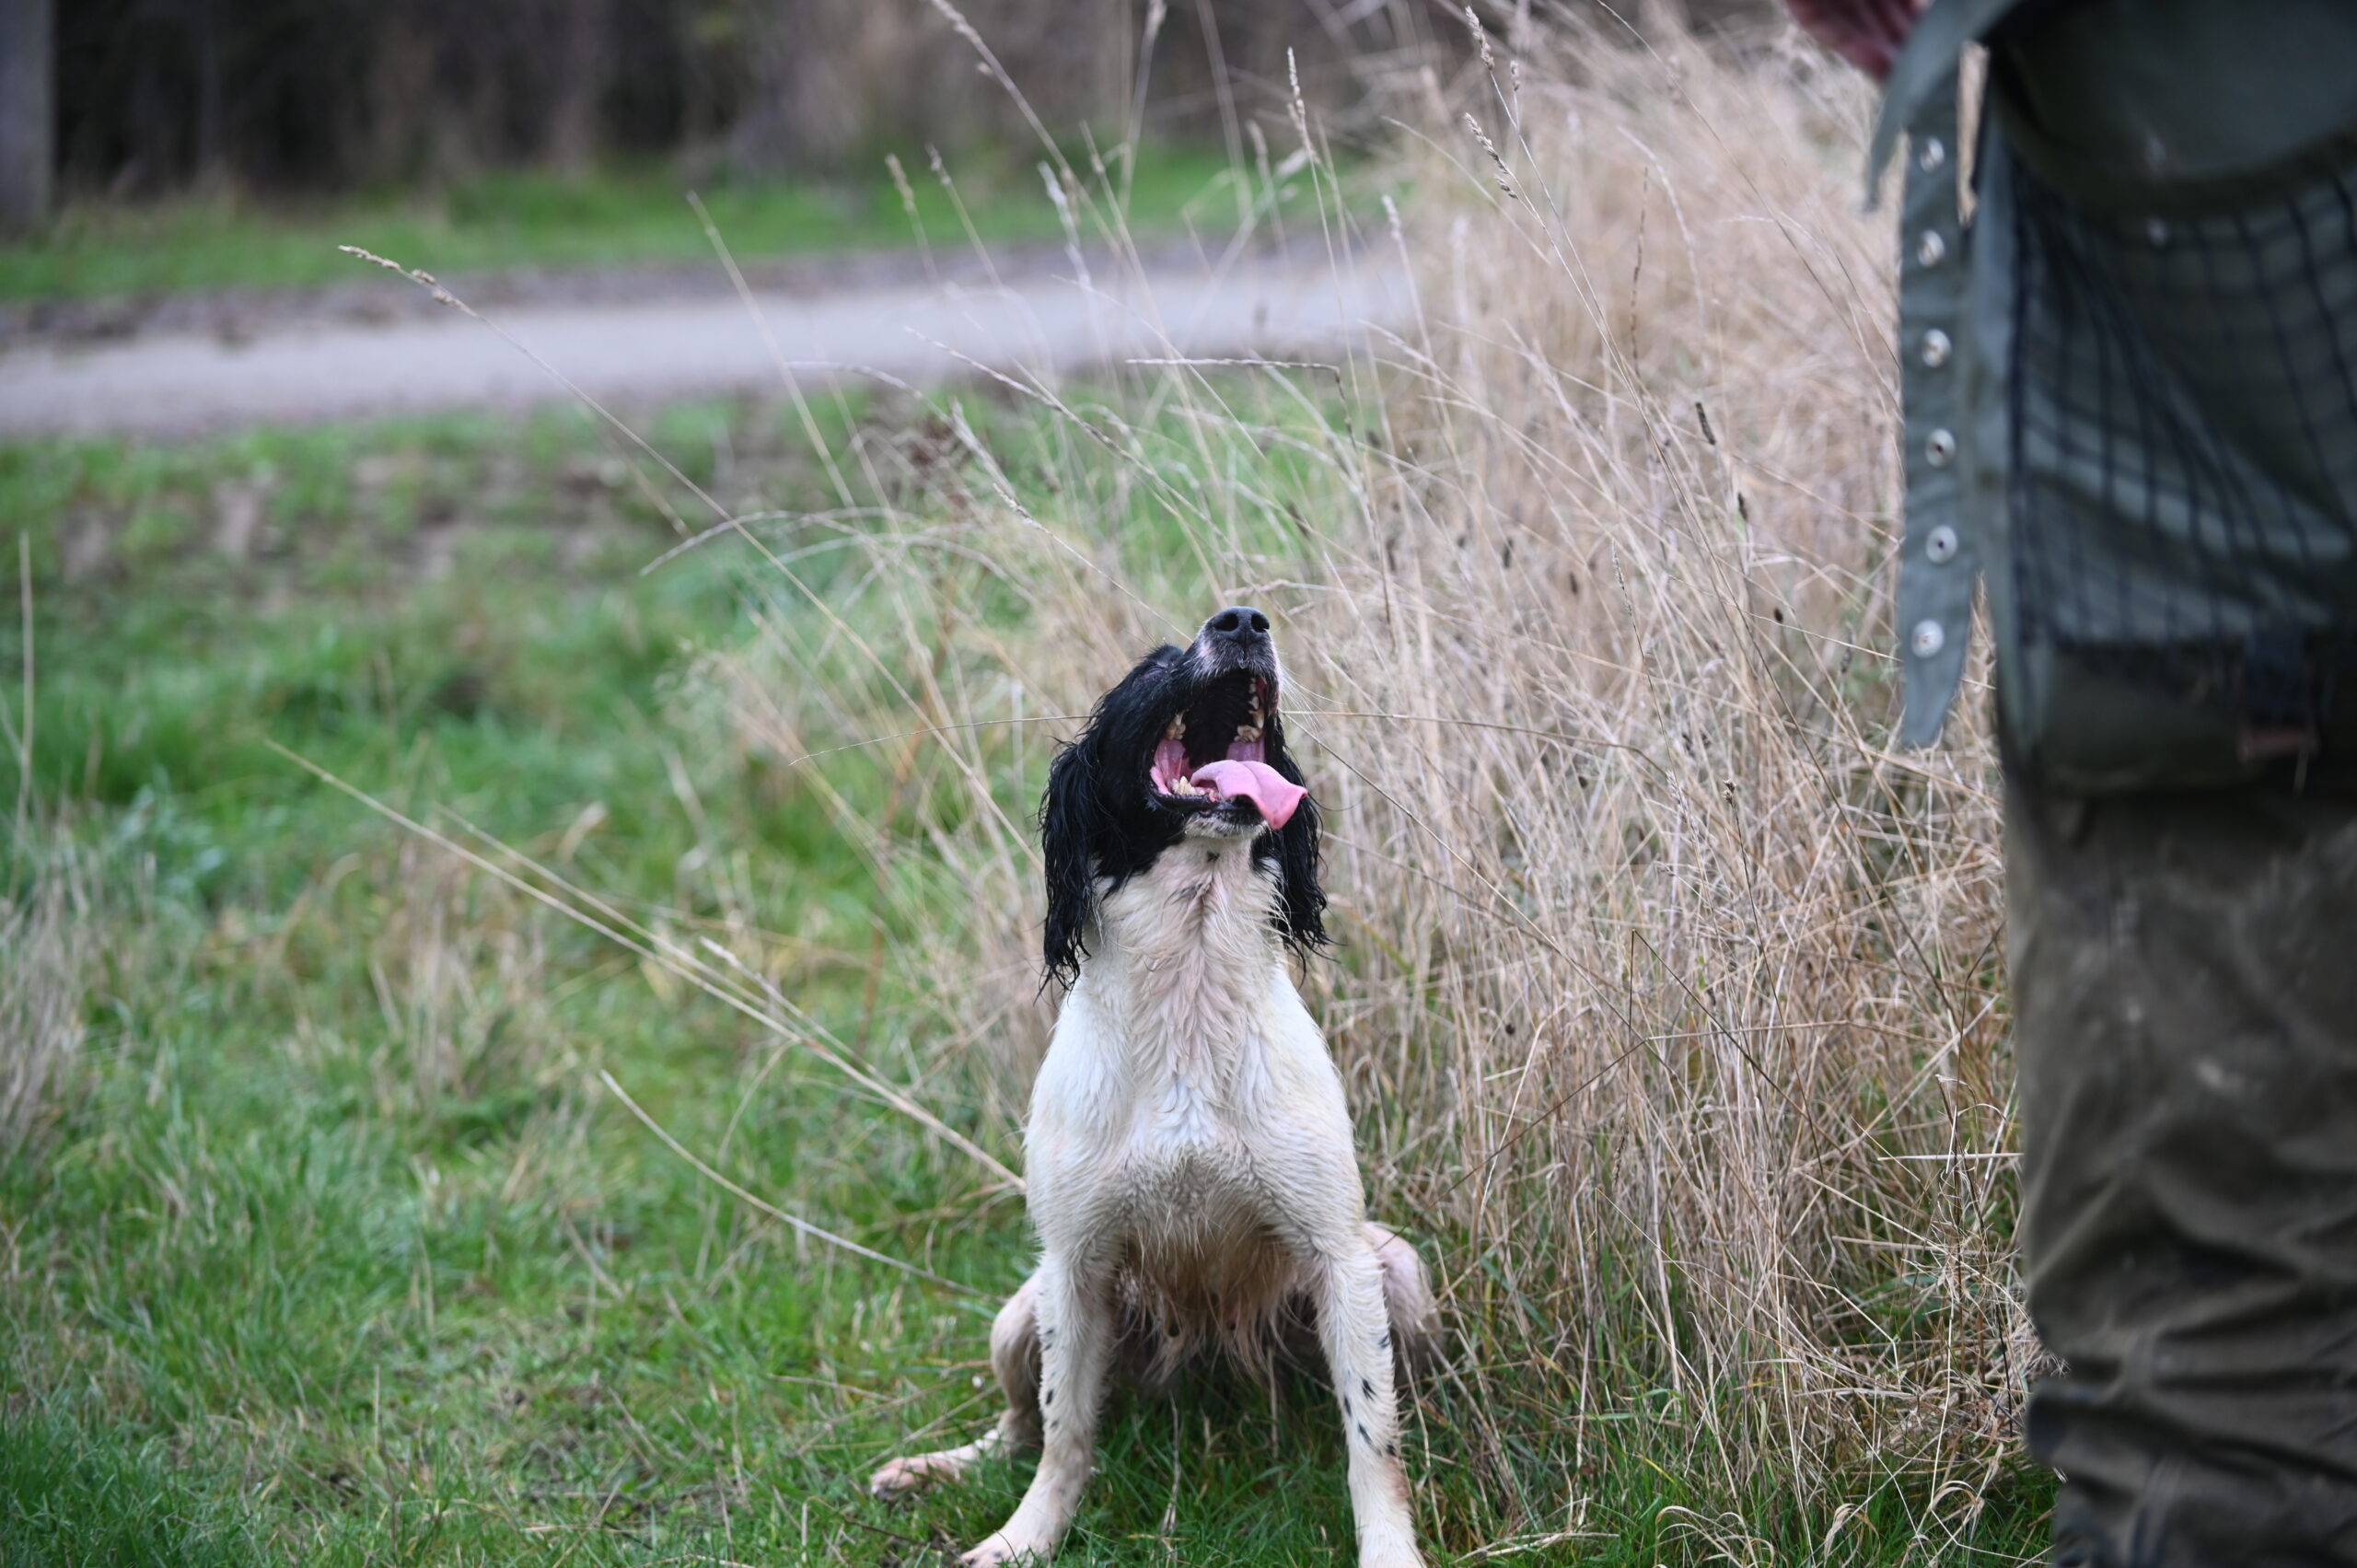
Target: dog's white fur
<point>1190,1174</point>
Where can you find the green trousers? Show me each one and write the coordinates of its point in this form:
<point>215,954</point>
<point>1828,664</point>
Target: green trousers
<point>2184,970</point>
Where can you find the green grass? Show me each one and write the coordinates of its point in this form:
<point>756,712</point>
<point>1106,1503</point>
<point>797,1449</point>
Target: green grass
<point>611,218</point>
<point>341,1253</point>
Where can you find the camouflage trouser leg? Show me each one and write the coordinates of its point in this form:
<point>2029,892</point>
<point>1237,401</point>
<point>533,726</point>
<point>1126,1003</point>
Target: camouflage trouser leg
<point>2185,986</point>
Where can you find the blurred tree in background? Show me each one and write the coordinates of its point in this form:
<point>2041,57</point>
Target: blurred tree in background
<point>156,96</point>
<point>27,118</point>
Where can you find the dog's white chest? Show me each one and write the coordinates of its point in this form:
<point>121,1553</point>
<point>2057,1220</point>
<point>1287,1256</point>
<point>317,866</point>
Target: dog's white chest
<point>1184,1119</point>
<point>1179,1151</point>
<point>1186,1089</point>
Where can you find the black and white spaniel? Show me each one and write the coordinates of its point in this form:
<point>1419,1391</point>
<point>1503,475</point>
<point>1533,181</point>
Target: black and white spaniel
<point>1189,1161</point>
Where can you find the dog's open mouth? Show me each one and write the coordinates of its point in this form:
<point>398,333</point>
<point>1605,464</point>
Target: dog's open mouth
<point>1212,754</point>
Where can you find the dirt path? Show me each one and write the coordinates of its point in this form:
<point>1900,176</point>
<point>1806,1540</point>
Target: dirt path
<point>179,382</point>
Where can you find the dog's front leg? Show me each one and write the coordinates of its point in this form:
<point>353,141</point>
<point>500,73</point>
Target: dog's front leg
<point>1353,1327</point>
<point>1076,1349</point>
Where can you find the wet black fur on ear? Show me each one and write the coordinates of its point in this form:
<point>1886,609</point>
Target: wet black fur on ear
<point>1067,817</point>
<point>1301,918</point>
<point>1099,820</point>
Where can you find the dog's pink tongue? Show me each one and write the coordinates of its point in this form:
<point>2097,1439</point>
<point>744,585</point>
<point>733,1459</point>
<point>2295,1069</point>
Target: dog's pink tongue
<point>1277,795</point>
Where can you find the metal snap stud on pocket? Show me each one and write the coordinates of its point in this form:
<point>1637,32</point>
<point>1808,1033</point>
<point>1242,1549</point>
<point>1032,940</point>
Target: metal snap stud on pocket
<point>1940,546</point>
<point>1928,639</point>
<point>1940,448</point>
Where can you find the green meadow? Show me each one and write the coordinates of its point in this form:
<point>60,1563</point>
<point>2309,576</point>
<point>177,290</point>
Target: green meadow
<point>518,944</point>
<point>336,1245</point>
<point>623,217</point>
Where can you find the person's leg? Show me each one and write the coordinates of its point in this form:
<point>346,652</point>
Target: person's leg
<point>2184,972</point>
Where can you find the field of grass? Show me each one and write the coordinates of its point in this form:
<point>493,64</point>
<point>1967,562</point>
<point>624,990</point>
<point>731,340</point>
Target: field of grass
<point>1666,995</point>
<point>612,217</point>
<point>341,1248</point>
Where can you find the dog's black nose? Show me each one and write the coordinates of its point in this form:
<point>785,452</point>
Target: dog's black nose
<point>1240,624</point>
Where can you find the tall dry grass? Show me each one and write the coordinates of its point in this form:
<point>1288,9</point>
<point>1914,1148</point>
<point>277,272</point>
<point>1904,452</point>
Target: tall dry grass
<point>460,974</point>
<point>49,943</point>
<point>1670,995</point>
<point>1688,994</point>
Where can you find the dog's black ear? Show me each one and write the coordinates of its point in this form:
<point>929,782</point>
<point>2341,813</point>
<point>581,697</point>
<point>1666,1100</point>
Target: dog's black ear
<point>1302,919</point>
<point>1068,822</point>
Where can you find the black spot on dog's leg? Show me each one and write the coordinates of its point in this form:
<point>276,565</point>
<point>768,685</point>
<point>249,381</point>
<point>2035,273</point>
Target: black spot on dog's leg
<point>1367,1387</point>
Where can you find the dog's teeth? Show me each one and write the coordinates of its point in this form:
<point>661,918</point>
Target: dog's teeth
<point>1248,731</point>
<point>1178,730</point>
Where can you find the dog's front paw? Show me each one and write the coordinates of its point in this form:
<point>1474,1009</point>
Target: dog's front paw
<point>1390,1549</point>
<point>898,1478</point>
<point>1004,1550</point>
<point>1395,1554</point>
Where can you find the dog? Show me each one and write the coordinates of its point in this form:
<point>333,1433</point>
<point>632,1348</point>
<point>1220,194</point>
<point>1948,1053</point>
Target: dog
<point>1189,1163</point>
